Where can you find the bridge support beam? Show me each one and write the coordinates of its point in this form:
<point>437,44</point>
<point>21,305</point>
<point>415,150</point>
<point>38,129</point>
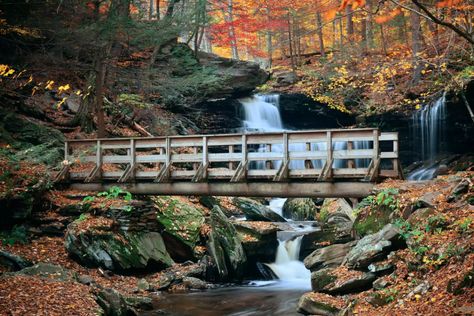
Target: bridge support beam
<point>254,189</point>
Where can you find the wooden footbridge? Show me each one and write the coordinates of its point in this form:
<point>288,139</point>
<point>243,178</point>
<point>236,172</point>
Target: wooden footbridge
<point>317,163</point>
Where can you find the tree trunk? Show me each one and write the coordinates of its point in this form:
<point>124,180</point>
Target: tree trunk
<point>369,26</point>
<point>269,48</point>
<point>415,45</point>
<point>290,43</point>
<point>232,35</point>
<point>319,24</point>
<point>99,95</point>
<point>350,23</point>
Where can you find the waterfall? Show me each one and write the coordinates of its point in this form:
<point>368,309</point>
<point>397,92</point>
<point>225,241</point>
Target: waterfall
<point>428,126</point>
<point>287,267</point>
<point>262,113</point>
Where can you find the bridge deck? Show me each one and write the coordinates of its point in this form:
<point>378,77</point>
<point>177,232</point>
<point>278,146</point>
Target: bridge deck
<point>268,164</point>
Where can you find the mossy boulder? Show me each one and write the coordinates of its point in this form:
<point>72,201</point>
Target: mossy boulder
<point>319,304</point>
<point>181,222</point>
<point>225,246</point>
<point>255,211</point>
<point>32,142</point>
<point>300,209</point>
<point>97,242</point>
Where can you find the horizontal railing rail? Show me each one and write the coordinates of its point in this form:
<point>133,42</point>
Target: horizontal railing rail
<point>322,155</point>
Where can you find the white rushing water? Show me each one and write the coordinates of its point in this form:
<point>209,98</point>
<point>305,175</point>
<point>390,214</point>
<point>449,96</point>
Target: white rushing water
<point>428,126</point>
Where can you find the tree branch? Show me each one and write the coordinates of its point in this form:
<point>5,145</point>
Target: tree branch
<point>436,20</point>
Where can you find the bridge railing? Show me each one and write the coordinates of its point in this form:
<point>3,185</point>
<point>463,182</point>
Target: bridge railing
<point>321,155</point>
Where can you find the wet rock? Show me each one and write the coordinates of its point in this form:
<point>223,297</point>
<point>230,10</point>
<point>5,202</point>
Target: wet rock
<point>139,302</point>
<point>49,271</point>
<point>327,257</point>
<point>225,246</point>
<point>194,283</point>
<point>112,302</point>
<point>312,241</point>
<point>255,211</point>
<point>181,223</point>
<point>13,262</point>
<point>299,209</point>
<point>259,240</point>
<point>373,247</point>
<point>312,304</point>
<point>97,244</point>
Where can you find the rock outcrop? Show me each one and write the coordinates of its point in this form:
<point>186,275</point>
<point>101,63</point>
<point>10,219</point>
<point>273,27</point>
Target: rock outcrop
<point>255,211</point>
<point>95,241</point>
<point>300,209</point>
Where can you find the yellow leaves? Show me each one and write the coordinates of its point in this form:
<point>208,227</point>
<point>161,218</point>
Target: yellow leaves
<point>387,17</point>
<point>6,70</point>
<point>49,85</point>
<point>58,106</point>
<point>64,88</point>
<point>330,15</point>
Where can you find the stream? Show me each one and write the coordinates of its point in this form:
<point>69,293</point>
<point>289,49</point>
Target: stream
<point>274,297</point>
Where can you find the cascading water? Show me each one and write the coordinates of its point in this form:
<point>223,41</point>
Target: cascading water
<point>287,267</point>
<point>261,113</point>
<point>428,126</point>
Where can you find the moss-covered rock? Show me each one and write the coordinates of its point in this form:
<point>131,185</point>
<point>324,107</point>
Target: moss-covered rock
<point>95,241</point>
<point>181,222</point>
<point>300,209</point>
<point>225,246</point>
<point>32,142</point>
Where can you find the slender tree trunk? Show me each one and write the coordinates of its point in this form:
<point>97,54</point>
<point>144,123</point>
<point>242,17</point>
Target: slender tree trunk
<point>269,48</point>
<point>290,43</point>
<point>341,34</point>
<point>334,31</point>
<point>369,25</point>
<point>319,25</point>
<point>416,45</point>
<point>349,23</point>
<point>99,95</point>
<point>382,36</point>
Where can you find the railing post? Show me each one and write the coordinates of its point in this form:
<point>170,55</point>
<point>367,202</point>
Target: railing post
<point>99,157</point>
<point>329,154</point>
<point>350,162</point>
<point>244,149</point>
<point>133,158</point>
<point>66,151</point>
<point>231,151</point>
<point>205,157</point>
<point>286,150</point>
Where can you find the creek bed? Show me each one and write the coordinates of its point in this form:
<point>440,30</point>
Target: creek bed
<point>258,298</point>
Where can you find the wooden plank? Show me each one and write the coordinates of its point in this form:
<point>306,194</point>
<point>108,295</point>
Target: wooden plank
<point>263,189</point>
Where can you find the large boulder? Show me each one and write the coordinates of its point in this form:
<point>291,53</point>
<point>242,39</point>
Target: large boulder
<point>328,257</point>
<point>335,282</point>
<point>374,247</point>
<point>255,211</point>
<point>94,241</point>
<point>225,246</point>
<point>181,222</point>
<point>320,304</point>
<point>299,209</point>
<point>240,77</point>
<point>333,206</point>
<point>49,271</point>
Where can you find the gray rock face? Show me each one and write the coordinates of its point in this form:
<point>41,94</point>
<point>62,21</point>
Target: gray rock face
<point>372,247</point>
<point>117,250</point>
<point>225,246</point>
<point>299,209</point>
<point>331,206</point>
<point>325,282</point>
<point>112,302</point>
<point>255,211</point>
<point>328,257</point>
<point>307,305</point>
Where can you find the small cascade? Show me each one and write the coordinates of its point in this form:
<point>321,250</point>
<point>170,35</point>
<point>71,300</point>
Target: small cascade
<point>428,126</point>
<point>261,113</point>
<point>287,267</point>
